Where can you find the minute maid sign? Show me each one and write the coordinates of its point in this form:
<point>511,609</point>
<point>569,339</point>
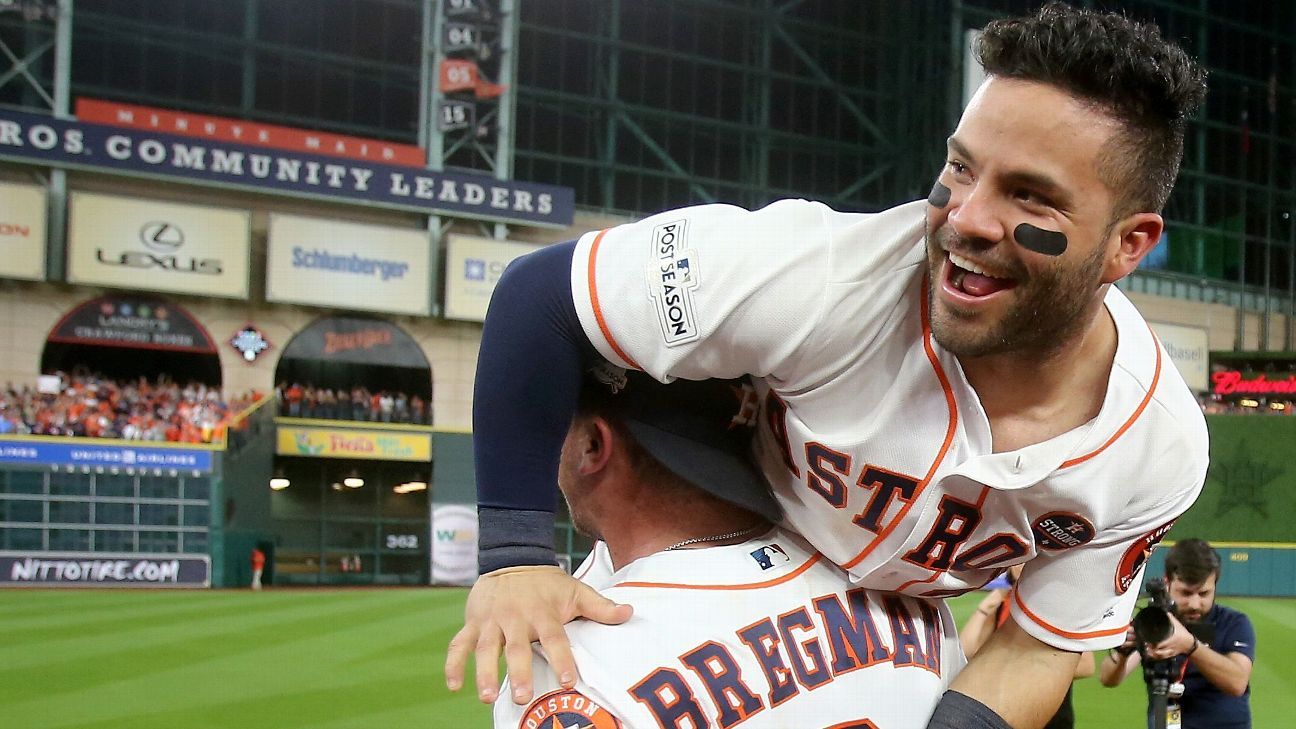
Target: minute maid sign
<point>363,444</point>
<point>148,153</point>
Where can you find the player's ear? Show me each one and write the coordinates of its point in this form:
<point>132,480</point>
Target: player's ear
<point>1134,237</point>
<point>596,444</point>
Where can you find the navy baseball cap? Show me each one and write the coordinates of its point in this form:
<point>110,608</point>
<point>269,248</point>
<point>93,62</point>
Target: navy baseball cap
<point>700,430</point>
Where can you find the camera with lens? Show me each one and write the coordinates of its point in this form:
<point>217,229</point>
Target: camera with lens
<point>1152,624</point>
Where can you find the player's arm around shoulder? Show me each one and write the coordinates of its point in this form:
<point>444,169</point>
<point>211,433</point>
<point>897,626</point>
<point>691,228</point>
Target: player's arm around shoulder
<point>730,291</point>
<point>1014,680</point>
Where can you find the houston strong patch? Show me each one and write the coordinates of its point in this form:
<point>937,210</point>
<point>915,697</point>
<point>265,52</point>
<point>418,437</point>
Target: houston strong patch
<point>567,708</point>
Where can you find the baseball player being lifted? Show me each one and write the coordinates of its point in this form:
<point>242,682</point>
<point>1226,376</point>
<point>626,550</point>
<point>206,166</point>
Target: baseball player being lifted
<point>735,620</point>
<point>948,387</point>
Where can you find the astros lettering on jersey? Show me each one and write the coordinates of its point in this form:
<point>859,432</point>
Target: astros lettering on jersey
<point>766,633</point>
<point>876,445</point>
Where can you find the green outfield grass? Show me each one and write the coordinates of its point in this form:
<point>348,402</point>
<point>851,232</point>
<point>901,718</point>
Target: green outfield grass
<point>369,659</point>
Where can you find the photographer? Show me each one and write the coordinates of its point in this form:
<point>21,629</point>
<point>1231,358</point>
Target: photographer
<point>1208,653</point>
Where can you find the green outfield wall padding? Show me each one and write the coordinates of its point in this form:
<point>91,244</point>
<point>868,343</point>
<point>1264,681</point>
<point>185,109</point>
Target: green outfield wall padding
<point>1251,570</point>
<point>1251,484</point>
<point>243,509</point>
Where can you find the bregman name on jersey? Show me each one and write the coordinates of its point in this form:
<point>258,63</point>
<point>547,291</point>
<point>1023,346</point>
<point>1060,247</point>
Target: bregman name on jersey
<point>797,651</point>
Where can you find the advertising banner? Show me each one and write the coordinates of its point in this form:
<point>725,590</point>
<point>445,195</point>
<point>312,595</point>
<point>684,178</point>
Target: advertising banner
<point>225,129</point>
<point>102,569</point>
<point>22,231</point>
<point>454,544</point>
<point>473,267</point>
<point>55,451</point>
<point>348,265</point>
<point>355,340</point>
<point>1189,349</point>
<point>143,322</point>
<point>158,246</point>
<point>73,144</point>
<point>378,445</point>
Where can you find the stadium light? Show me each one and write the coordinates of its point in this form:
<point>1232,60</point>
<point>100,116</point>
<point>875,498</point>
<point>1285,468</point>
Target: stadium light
<point>410,487</point>
<point>353,480</point>
<point>279,483</point>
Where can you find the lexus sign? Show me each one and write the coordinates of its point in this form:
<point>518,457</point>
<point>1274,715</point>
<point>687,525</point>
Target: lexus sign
<point>158,246</point>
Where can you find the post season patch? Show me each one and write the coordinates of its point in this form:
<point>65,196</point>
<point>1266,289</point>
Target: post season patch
<point>672,277</point>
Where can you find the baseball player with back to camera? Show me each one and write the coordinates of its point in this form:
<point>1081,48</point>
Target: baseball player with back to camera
<point>735,620</point>
<point>949,387</point>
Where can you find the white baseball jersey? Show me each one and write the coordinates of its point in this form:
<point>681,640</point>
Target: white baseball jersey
<point>876,444</point>
<point>767,633</point>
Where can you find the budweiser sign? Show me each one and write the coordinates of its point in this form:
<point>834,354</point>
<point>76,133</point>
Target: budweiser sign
<point>1231,382</point>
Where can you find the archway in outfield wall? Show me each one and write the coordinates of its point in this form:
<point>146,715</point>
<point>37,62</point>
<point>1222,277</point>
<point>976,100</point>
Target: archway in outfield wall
<point>350,498</point>
<point>347,353</point>
<point>128,336</point>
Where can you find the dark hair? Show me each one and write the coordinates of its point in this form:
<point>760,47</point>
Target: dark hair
<point>1192,561</point>
<point>1123,68</point>
<point>596,400</point>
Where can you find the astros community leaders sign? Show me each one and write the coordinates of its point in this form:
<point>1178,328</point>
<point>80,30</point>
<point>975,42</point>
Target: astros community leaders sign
<point>66,143</point>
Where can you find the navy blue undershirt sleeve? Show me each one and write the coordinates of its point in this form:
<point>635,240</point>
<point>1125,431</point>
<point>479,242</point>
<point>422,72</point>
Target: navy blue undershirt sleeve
<point>959,711</point>
<point>533,354</point>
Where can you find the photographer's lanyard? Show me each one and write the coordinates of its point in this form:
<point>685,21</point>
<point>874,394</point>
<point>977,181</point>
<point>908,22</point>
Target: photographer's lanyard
<point>1174,717</point>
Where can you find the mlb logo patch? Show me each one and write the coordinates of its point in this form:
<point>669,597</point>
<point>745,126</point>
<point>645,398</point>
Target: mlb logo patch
<point>770,556</point>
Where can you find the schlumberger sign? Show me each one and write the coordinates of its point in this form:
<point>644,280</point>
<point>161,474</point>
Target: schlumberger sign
<point>148,153</point>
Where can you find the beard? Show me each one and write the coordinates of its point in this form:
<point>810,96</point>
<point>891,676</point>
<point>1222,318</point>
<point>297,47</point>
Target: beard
<point>576,494</point>
<point>1047,306</point>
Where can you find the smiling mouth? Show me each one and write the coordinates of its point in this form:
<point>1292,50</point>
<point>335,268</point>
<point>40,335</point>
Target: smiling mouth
<point>966,277</point>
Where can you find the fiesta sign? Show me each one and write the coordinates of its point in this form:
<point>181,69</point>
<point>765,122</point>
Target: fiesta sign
<point>362,444</point>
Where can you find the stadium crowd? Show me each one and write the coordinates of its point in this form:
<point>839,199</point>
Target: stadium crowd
<point>357,403</point>
<point>94,406</point>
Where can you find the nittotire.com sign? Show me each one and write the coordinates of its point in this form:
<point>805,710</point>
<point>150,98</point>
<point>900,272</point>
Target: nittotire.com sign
<point>103,570</point>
